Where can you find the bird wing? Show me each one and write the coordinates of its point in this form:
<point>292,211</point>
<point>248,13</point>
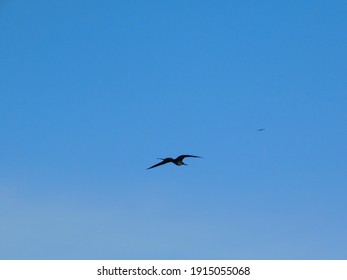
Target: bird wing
<point>184,156</point>
<point>158,164</point>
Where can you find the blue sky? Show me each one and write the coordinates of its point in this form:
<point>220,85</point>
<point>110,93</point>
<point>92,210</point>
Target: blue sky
<point>92,92</point>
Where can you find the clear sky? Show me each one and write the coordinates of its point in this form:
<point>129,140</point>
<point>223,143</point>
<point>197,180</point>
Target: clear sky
<point>93,92</point>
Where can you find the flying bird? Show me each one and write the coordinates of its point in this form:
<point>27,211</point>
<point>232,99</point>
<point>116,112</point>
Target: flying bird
<point>178,161</point>
<point>260,129</point>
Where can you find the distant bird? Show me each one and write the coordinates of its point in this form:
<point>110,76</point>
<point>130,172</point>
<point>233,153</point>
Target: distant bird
<point>260,129</point>
<point>178,161</point>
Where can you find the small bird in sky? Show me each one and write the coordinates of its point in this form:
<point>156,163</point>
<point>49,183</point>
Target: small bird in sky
<point>178,161</point>
<point>260,129</point>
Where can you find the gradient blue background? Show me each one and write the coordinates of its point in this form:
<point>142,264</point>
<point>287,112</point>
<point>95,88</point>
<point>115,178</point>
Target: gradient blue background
<point>92,92</point>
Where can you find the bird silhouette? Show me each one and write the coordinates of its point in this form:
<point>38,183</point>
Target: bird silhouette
<point>260,129</point>
<point>178,161</point>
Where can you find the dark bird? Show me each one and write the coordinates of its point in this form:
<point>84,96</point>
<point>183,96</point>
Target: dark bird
<point>178,161</point>
<point>260,129</point>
